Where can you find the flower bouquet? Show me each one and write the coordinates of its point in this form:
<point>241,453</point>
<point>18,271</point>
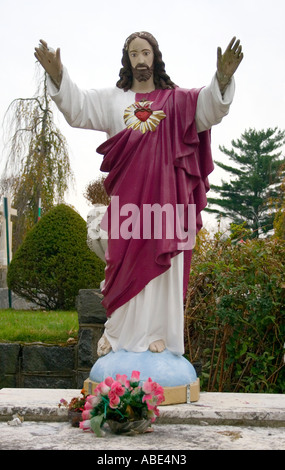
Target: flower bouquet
<point>125,405</point>
<point>75,408</point>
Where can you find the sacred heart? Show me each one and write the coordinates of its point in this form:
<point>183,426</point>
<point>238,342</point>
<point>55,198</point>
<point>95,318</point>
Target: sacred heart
<point>143,114</point>
<point>139,116</point>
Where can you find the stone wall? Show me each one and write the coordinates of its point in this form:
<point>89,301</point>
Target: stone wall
<point>91,319</point>
<point>3,276</point>
<point>37,365</point>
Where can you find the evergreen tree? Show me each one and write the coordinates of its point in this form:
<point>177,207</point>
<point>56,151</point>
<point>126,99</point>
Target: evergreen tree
<point>37,165</point>
<point>254,181</point>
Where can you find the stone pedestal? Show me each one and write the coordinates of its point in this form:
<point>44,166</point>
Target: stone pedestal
<point>173,395</point>
<point>174,373</point>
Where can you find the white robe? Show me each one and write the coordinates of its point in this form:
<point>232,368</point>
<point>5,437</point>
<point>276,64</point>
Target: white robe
<point>157,312</point>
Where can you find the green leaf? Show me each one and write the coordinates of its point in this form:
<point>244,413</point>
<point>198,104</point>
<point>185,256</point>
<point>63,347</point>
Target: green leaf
<point>96,424</point>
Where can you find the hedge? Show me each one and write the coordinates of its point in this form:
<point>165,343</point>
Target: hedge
<point>234,315</point>
<point>54,262</point>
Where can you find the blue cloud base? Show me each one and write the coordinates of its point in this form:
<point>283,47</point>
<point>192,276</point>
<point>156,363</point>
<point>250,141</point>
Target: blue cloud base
<point>165,368</point>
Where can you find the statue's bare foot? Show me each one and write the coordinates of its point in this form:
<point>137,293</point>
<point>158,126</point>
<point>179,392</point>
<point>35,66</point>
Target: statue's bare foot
<point>103,347</point>
<point>157,346</point>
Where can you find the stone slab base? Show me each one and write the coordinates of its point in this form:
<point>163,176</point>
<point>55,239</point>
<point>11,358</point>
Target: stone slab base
<point>173,395</point>
<point>212,409</point>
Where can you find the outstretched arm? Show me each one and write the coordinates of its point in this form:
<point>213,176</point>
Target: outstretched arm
<point>51,61</point>
<point>228,62</point>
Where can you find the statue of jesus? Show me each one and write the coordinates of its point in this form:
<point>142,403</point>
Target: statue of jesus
<point>157,154</point>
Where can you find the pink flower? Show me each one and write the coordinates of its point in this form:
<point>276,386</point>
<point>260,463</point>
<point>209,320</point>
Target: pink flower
<point>118,388</point>
<point>63,402</point>
<point>102,388</point>
<point>154,389</point>
<point>156,411</point>
<point>85,425</point>
<point>158,391</point>
<point>150,400</point>
<point>86,414</point>
<point>117,391</point>
<point>154,395</point>
<point>91,401</point>
<point>109,381</point>
<point>88,406</point>
<point>114,399</point>
<point>148,386</point>
<point>160,399</point>
<point>123,379</point>
<point>135,377</point>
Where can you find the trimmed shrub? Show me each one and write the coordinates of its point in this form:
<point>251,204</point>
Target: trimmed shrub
<point>54,262</point>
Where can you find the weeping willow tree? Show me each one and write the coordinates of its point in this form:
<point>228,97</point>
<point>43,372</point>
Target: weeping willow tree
<point>37,171</point>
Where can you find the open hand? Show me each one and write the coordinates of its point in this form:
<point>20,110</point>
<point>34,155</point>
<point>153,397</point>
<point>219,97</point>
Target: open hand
<point>50,60</point>
<point>228,62</point>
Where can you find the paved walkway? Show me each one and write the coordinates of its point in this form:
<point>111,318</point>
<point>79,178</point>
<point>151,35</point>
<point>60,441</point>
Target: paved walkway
<point>218,421</point>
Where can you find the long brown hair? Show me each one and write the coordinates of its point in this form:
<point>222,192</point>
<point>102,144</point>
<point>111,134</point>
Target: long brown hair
<point>160,77</point>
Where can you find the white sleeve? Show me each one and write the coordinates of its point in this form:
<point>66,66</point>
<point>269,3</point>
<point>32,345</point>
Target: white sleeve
<point>212,106</point>
<point>81,108</point>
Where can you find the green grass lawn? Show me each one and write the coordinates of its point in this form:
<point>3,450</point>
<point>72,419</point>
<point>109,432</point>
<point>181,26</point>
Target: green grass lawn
<point>38,326</point>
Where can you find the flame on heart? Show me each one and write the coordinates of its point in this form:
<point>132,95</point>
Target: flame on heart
<point>140,116</point>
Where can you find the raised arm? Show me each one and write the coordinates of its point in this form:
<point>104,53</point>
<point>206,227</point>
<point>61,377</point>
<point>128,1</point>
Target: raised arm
<point>51,61</point>
<point>228,62</point>
<point>214,100</point>
<point>81,108</point>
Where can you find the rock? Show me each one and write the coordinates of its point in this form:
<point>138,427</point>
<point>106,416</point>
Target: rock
<point>89,307</point>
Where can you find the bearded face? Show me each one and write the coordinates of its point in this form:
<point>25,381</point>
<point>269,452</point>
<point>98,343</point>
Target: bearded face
<point>150,67</point>
<point>142,72</point>
<point>141,57</point>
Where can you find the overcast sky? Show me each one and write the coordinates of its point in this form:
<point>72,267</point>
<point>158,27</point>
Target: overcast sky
<point>91,34</point>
